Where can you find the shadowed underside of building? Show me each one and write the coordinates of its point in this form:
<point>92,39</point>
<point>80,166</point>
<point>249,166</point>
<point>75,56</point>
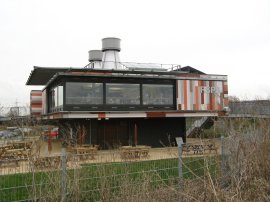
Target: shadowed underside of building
<point>113,133</point>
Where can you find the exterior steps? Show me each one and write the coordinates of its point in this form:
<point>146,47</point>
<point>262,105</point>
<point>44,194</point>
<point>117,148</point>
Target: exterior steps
<point>205,122</point>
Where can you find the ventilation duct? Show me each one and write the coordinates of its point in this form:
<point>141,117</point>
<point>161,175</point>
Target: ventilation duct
<point>111,48</point>
<point>95,59</point>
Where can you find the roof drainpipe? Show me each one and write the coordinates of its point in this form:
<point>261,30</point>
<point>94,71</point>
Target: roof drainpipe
<point>111,48</point>
<point>95,59</point>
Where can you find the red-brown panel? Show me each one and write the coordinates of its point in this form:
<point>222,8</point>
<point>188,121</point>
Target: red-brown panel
<point>155,114</point>
<point>197,97</point>
<point>36,105</point>
<point>101,115</point>
<point>212,96</point>
<point>189,75</point>
<point>36,94</point>
<point>185,94</point>
<point>202,94</point>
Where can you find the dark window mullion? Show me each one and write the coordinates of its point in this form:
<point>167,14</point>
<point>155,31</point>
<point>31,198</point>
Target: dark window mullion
<point>141,95</point>
<point>64,95</point>
<point>104,94</point>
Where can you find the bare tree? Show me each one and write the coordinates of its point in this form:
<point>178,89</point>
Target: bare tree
<point>1,109</point>
<point>234,98</point>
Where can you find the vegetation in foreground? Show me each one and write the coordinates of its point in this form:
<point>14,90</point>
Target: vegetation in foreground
<point>95,181</point>
<point>240,174</point>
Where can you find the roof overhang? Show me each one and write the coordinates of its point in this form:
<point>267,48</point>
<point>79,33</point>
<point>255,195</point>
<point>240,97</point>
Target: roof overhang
<point>39,76</point>
<point>45,75</point>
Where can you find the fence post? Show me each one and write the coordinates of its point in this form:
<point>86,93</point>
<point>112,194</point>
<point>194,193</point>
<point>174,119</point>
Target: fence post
<point>64,175</point>
<point>179,141</point>
<point>223,162</point>
<point>34,189</point>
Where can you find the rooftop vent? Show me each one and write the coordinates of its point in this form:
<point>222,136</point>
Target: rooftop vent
<point>95,58</point>
<point>111,48</point>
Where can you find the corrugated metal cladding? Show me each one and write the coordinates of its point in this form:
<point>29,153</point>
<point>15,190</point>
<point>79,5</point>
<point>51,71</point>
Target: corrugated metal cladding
<point>201,95</point>
<point>36,103</point>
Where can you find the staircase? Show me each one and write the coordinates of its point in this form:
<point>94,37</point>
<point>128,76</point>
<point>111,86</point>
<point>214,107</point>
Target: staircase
<point>205,122</point>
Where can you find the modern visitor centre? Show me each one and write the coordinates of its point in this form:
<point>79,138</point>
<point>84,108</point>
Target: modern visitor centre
<point>114,103</point>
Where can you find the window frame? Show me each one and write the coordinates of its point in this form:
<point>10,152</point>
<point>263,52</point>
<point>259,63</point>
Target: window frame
<point>115,107</point>
<point>102,97</point>
<point>173,96</point>
<point>55,99</point>
<point>123,84</point>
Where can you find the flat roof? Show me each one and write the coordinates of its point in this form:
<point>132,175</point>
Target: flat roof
<point>39,76</point>
<point>42,75</point>
<point>45,75</point>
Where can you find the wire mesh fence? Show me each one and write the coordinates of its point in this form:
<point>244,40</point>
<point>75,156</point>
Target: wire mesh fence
<point>112,175</point>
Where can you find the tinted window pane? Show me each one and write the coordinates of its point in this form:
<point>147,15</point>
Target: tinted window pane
<point>157,94</point>
<point>122,94</point>
<point>52,98</point>
<point>55,96</point>
<point>60,95</point>
<point>84,93</point>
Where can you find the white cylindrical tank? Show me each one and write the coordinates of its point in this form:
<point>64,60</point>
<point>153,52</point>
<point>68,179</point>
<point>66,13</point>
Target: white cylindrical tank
<point>95,59</point>
<point>95,55</point>
<point>111,43</point>
<point>111,48</point>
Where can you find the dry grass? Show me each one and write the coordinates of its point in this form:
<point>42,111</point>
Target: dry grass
<point>245,172</point>
<point>244,175</point>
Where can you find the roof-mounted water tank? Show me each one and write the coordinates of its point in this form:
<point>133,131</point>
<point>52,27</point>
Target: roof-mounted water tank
<point>95,55</point>
<point>95,58</point>
<point>111,43</point>
<point>111,48</point>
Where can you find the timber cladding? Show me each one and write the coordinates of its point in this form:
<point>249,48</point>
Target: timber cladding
<point>201,95</point>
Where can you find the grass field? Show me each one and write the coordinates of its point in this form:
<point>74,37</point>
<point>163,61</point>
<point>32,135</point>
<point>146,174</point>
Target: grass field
<point>91,179</point>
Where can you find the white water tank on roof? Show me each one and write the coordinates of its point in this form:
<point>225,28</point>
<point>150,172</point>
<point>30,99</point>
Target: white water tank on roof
<point>95,55</point>
<point>95,58</point>
<point>111,43</point>
<point>111,48</point>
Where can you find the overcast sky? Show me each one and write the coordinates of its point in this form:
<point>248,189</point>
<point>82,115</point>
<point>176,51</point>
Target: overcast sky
<point>229,37</point>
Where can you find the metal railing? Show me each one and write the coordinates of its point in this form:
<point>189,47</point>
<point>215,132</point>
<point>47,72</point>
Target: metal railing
<point>197,124</point>
<point>133,66</point>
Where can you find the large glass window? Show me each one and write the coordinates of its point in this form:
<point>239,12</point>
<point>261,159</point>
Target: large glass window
<point>60,95</point>
<point>122,94</point>
<point>157,94</point>
<point>84,93</point>
<point>55,93</point>
<point>56,97</point>
<point>53,98</point>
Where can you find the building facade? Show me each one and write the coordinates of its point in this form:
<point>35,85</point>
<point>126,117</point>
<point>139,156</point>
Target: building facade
<point>112,103</point>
